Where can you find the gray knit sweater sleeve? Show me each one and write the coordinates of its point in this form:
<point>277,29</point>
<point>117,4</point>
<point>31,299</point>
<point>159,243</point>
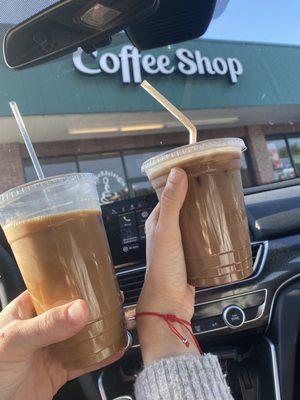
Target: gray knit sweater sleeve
<point>183,378</point>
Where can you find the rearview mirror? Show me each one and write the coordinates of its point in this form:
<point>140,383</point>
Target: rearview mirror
<point>172,22</point>
<point>69,24</point>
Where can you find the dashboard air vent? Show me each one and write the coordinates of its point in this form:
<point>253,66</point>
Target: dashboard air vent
<point>131,283</point>
<point>131,280</point>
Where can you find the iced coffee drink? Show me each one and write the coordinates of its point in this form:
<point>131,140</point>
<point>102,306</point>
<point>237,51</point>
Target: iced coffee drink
<point>213,219</point>
<point>55,230</point>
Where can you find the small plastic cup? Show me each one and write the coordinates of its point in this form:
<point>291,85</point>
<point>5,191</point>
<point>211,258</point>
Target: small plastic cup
<point>213,219</point>
<point>56,232</point>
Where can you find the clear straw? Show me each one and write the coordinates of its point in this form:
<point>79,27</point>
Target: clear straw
<point>27,141</point>
<point>172,109</point>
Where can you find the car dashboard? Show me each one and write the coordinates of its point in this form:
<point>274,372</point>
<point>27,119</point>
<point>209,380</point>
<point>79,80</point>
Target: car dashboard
<point>238,321</point>
<point>252,325</point>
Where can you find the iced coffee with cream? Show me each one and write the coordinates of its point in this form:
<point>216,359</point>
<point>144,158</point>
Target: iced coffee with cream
<point>55,229</point>
<point>213,219</point>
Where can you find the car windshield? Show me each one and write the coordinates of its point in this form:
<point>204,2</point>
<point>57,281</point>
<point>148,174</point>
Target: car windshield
<point>88,113</point>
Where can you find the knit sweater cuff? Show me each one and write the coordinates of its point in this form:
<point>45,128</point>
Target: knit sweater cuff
<point>186,377</point>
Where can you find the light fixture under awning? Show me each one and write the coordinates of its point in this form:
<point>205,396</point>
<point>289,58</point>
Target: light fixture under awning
<point>134,128</point>
<point>111,129</point>
<point>90,131</point>
<point>150,127</point>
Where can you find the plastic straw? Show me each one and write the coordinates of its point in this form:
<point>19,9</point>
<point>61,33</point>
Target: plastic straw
<point>172,109</point>
<point>27,141</point>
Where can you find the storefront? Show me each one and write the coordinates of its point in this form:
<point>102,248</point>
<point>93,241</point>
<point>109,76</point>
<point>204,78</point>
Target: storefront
<point>88,113</point>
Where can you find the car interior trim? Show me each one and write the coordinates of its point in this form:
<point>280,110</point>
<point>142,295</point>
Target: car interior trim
<point>129,341</point>
<point>264,245</point>
<point>101,386</point>
<point>261,309</point>
<point>257,268</point>
<point>291,279</point>
<point>274,368</point>
<point>103,393</point>
<point>234,296</point>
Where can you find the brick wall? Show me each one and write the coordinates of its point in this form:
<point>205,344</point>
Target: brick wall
<point>261,162</point>
<point>11,168</point>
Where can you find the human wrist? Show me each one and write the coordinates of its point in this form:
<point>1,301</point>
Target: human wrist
<point>165,305</point>
<point>158,341</point>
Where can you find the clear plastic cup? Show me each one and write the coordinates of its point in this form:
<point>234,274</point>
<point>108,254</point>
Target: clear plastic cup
<point>56,232</point>
<point>213,219</point>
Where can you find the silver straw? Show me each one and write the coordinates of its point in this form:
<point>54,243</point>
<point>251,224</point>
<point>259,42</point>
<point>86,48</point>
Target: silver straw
<point>27,141</point>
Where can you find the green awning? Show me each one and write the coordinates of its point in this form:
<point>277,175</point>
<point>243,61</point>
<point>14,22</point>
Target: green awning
<point>270,76</point>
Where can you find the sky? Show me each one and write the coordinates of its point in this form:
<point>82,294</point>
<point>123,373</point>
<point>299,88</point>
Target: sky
<point>272,21</point>
<point>13,11</point>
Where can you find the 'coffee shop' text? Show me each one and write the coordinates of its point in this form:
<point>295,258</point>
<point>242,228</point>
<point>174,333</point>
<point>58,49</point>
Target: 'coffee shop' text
<point>132,64</point>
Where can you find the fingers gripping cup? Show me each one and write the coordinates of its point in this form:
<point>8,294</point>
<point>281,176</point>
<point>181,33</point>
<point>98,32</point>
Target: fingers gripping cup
<point>55,230</point>
<point>213,219</point>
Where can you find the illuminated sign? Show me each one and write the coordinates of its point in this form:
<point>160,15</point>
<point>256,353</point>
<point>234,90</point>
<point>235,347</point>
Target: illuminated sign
<point>132,64</point>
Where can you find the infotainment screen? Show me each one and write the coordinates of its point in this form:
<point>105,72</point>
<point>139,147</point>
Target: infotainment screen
<point>125,227</point>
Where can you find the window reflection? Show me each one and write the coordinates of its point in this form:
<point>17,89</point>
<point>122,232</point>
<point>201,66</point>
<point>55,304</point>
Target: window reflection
<point>112,184</point>
<point>119,173</point>
<point>141,188</point>
<point>137,181</point>
<point>281,159</point>
<point>294,145</point>
<point>134,161</point>
<point>51,167</point>
<point>246,175</point>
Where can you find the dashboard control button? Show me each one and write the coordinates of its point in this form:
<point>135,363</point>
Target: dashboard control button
<point>142,232</point>
<point>208,324</point>
<point>129,235</point>
<point>252,313</point>
<point>127,220</point>
<point>142,215</point>
<point>233,316</point>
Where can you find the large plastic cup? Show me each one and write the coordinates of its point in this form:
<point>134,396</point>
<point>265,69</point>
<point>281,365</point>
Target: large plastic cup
<point>213,219</point>
<point>56,232</point>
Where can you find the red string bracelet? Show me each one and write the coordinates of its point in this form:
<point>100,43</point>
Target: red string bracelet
<point>170,320</point>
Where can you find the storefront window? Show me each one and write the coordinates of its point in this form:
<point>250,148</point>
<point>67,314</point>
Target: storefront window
<point>51,166</point>
<point>137,181</point>
<point>294,145</point>
<point>112,179</point>
<point>119,173</point>
<point>281,159</point>
<point>246,175</point>
<point>134,161</point>
<point>141,188</point>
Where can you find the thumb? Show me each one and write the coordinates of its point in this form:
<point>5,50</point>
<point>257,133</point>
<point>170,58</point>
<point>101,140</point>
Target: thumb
<point>55,325</point>
<point>172,198</point>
